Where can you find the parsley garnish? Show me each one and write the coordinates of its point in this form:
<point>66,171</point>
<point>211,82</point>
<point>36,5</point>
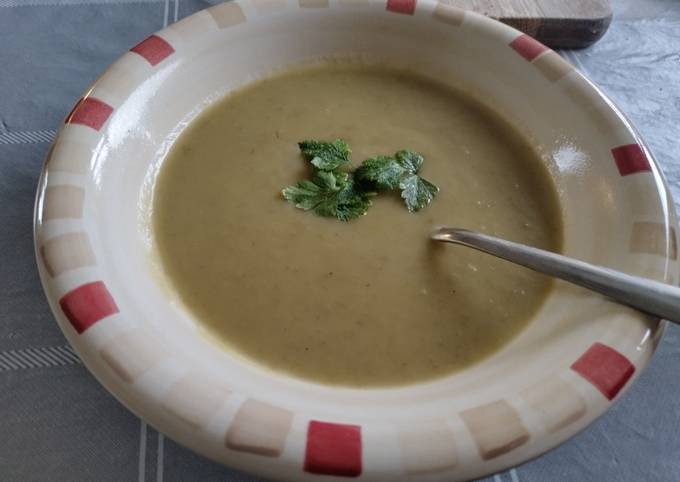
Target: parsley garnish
<point>417,192</point>
<point>385,172</point>
<point>326,156</point>
<point>400,171</point>
<point>347,195</point>
<point>330,194</point>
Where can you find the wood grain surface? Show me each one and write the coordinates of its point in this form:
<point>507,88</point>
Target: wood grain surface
<point>556,23</point>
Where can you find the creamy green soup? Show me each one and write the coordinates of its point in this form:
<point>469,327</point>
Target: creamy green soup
<point>370,302</point>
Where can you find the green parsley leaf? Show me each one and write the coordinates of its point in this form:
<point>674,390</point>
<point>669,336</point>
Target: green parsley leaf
<point>410,160</point>
<point>384,171</point>
<point>304,194</point>
<point>347,195</point>
<point>387,173</point>
<point>326,156</point>
<point>352,202</point>
<point>417,192</point>
<point>329,194</point>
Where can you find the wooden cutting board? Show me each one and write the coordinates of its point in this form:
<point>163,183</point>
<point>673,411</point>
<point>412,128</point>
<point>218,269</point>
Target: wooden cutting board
<point>556,23</point>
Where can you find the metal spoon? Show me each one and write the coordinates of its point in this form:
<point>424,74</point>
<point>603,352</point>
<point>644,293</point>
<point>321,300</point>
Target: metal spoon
<point>652,297</point>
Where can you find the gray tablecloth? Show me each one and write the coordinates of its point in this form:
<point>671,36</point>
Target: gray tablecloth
<point>58,423</point>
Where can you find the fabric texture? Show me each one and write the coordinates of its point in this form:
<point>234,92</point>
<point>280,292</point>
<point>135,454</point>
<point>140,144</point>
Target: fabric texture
<point>58,423</point>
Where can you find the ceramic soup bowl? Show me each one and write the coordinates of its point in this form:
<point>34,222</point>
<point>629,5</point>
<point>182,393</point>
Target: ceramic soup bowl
<point>96,254</point>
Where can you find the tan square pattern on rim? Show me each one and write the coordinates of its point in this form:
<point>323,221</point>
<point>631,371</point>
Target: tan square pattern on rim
<point>313,3</point>
<point>259,428</point>
<point>66,252</point>
<point>552,66</point>
<point>556,403</point>
<point>449,14</point>
<point>131,354</point>
<point>650,238</point>
<point>427,448</point>
<point>227,14</point>
<point>65,201</point>
<point>120,80</point>
<point>496,428</point>
<point>70,156</point>
<point>195,399</point>
<point>268,6</point>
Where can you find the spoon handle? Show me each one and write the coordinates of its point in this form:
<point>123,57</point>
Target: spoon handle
<point>652,297</point>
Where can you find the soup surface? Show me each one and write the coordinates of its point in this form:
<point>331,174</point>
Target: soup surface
<point>373,301</point>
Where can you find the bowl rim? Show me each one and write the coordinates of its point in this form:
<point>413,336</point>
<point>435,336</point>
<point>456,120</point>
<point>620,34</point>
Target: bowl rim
<point>492,28</point>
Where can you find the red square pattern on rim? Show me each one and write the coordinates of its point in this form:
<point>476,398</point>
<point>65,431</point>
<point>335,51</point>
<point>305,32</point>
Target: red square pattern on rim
<point>406,7</point>
<point>154,49</point>
<point>605,368</point>
<point>90,112</point>
<point>333,449</point>
<point>631,159</point>
<point>87,304</point>
<point>528,47</point>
